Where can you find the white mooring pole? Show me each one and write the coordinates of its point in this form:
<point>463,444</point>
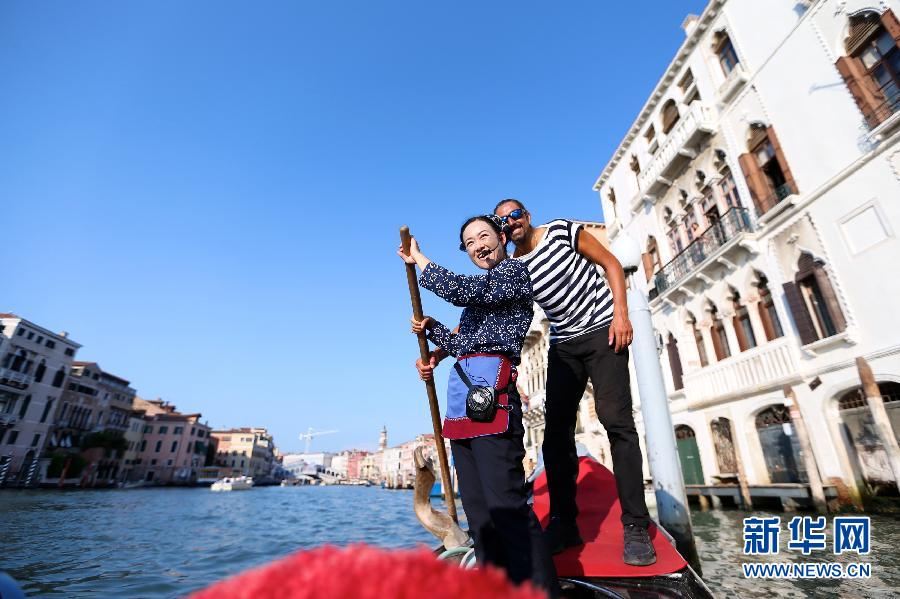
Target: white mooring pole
<point>662,454</point>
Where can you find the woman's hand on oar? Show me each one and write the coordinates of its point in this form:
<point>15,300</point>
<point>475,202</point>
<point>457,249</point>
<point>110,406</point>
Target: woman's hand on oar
<point>426,371</point>
<point>415,255</point>
<point>420,326</point>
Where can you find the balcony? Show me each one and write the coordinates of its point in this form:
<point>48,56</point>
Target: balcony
<point>7,419</point>
<point>884,118</point>
<point>733,83</point>
<point>774,200</point>
<point>767,366</point>
<point>710,250</point>
<point>679,148</point>
<point>14,380</point>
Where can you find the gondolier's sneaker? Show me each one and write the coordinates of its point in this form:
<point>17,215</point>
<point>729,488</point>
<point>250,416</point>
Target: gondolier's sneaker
<point>561,534</point>
<point>639,550</point>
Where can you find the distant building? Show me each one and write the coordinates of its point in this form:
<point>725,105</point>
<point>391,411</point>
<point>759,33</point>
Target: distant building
<point>246,451</point>
<point>34,364</point>
<point>133,437</point>
<point>91,423</point>
<point>174,446</point>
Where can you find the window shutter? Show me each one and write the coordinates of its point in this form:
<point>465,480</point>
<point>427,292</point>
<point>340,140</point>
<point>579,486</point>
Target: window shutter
<point>739,332</point>
<point>648,264</point>
<point>675,364</point>
<point>890,22</point>
<point>831,301</point>
<point>782,160</point>
<point>867,96</point>
<point>861,29</point>
<point>766,319</point>
<point>756,181</point>
<point>802,319</point>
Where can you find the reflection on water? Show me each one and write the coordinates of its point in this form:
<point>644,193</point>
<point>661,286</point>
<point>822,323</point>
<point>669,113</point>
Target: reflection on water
<point>167,542</point>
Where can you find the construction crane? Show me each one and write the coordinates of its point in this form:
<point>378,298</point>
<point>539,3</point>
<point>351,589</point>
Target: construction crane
<point>310,433</point>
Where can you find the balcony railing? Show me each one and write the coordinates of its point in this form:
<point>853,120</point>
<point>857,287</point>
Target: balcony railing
<point>770,201</point>
<point>7,419</point>
<point>677,150</point>
<point>883,111</point>
<point>733,82</point>
<point>765,366</point>
<point>15,380</point>
<point>725,230</point>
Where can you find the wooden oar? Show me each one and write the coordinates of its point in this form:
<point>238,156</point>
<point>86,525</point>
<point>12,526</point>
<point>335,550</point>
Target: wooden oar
<point>416,299</point>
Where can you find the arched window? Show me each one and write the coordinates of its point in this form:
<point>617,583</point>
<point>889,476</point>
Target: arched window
<point>767,313</point>
<point>724,444</point>
<point>59,377</point>
<point>673,234</point>
<point>635,165</point>
<point>650,136</point>
<point>719,337</point>
<point>24,409</point>
<point>612,201</point>
<point>766,169</point>
<point>871,68</point>
<point>674,362</point>
<point>19,361</point>
<point>652,262</point>
<point>725,52</point>
<point>728,189</point>
<point>781,450</point>
<point>670,116</point>
<point>742,325</point>
<point>698,339</point>
<point>813,302</point>
<point>39,372</point>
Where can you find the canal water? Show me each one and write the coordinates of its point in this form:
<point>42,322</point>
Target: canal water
<point>168,542</point>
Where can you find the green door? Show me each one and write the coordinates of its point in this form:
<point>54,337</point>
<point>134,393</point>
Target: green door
<point>689,455</point>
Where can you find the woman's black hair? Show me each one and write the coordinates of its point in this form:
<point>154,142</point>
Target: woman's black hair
<point>492,219</point>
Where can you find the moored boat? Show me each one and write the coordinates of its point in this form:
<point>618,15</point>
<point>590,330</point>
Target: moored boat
<point>239,483</point>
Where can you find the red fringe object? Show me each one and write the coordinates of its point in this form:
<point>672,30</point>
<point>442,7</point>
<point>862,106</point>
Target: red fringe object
<point>365,572</point>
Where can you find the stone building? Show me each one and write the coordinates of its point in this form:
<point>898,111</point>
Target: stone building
<point>90,423</point>
<point>760,178</point>
<point>247,451</point>
<point>34,365</point>
<point>174,447</point>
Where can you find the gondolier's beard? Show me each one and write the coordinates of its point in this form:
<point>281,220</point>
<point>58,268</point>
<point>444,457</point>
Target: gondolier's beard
<point>518,232</point>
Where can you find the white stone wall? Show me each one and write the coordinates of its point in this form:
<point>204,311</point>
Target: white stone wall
<point>845,213</point>
<point>41,393</point>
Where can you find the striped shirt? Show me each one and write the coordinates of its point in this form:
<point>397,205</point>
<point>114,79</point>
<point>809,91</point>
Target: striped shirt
<point>568,287</point>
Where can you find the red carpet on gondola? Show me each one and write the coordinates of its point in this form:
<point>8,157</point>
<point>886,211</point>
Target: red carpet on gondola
<point>600,524</point>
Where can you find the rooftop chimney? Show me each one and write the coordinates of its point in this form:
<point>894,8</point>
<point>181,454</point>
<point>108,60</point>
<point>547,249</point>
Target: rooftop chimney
<point>689,23</point>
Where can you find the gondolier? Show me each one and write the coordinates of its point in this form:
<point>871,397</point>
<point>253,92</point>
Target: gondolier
<point>589,337</point>
<point>483,419</point>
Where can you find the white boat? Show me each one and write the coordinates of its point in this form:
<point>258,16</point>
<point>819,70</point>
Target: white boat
<point>240,483</point>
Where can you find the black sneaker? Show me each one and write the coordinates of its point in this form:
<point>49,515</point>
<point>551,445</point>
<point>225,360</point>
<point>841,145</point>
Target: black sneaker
<point>639,550</point>
<point>561,534</point>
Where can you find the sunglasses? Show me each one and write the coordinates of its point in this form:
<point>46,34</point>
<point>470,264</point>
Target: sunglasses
<point>515,215</point>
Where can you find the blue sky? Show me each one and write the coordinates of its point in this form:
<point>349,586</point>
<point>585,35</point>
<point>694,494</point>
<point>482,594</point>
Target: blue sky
<point>207,194</point>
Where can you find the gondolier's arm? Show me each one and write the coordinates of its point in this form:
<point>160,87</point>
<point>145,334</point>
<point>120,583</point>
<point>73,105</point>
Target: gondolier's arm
<point>620,331</point>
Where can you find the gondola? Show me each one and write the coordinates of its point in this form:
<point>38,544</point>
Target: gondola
<point>595,569</point>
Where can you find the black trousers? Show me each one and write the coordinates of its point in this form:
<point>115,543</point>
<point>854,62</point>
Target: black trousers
<point>506,532</point>
<point>569,365</point>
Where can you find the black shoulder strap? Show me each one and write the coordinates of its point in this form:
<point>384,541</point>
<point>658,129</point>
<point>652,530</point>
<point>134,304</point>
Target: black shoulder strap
<point>462,375</point>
